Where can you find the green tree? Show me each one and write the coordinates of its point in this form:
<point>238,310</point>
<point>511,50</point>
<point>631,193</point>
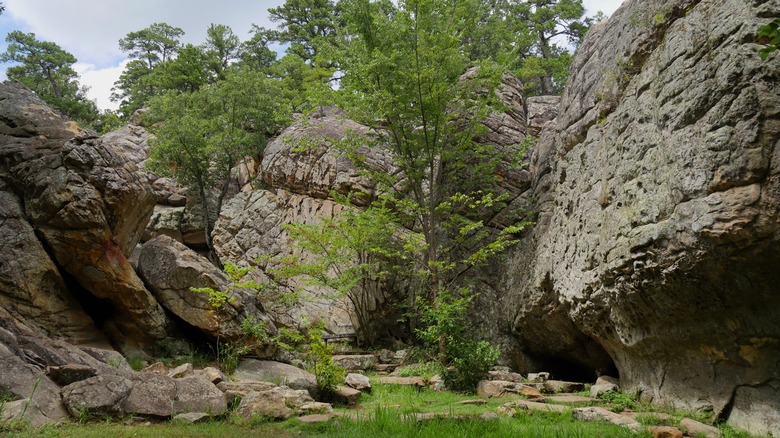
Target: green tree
<point>308,25</point>
<point>203,135</point>
<point>221,48</point>
<point>146,48</point>
<point>47,69</point>
<point>186,72</point>
<point>256,52</point>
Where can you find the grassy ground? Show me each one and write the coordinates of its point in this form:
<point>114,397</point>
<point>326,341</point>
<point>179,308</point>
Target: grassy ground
<point>387,412</point>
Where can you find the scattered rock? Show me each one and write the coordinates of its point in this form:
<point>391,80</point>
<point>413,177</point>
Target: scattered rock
<point>349,396</point>
<point>597,390</point>
<point>538,377</point>
<point>695,428</point>
<point>99,395</point>
<point>214,375</point>
<point>278,373</point>
<point>488,416</point>
<point>556,386</point>
<point>409,381</point>
<point>279,403</point>
<point>493,388</point>
<point>505,376</point>
<point>192,417</point>
<point>568,399</point>
<point>534,406</point>
<point>355,362</point>
<point>358,381</point>
<point>315,418</point>
<point>237,390</point>
<point>603,380</point>
<point>156,368</point>
<point>183,370</point>
<point>665,432</point>
<point>601,414</point>
<point>472,402</point>
<point>385,356</point>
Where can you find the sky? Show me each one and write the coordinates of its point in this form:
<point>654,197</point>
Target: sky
<point>91,29</point>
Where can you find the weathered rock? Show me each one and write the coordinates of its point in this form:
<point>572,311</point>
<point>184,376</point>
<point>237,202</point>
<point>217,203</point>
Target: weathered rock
<point>88,204</point>
<point>756,409</point>
<point>358,381</point>
<point>473,402</point>
<point>602,380</point>
<point>100,395</point>
<point>315,418</point>
<point>493,388</point>
<point>538,377</point>
<point>156,368</point>
<point>555,386</point>
<point>507,376</point>
<point>237,390</point>
<point>170,269</point>
<point>252,225</point>
<point>143,394</point>
<point>695,428</point>
<point>598,390</point>
<point>542,111</point>
<point>355,362</point>
<point>278,403</point>
<point>595,413</point>
<point>278,373</point>
<point>302,160</point>
<point>568,399</point>
<point>214,375</point>
<point>511,408</point>
<point>665,432</point>
<point>348,396</point>
<point>183,370</point>
<point>407,381</point>
<point>385,356</point>
<point>658,193</point>
<point>71,373</point>
<point>192,417</point>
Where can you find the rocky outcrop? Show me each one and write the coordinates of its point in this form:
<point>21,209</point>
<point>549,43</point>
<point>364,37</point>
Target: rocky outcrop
<point>303,158</point>
<point>658,191</point>
<point>170,269</point>
<point>87,204</point>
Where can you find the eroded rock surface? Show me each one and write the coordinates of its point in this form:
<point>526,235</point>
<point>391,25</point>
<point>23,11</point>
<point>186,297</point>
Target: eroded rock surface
<point>658,192</point>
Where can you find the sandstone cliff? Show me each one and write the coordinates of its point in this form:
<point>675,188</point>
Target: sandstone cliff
<point>658,192</point>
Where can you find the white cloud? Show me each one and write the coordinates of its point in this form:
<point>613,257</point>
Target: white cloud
<point>100,81</point>
<point>605,6</point>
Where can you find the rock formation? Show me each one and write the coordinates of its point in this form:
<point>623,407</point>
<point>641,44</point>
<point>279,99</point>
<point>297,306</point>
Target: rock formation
<point>658,191</point>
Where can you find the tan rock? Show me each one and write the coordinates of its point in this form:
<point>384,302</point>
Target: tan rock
<point>694,428</point>
<point>665,432</point>
<point>601,414</point>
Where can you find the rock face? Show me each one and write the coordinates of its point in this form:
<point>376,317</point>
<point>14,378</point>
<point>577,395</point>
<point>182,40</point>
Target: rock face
<point>88,204</point>
<point>656,244</point>
<point>170,269</point>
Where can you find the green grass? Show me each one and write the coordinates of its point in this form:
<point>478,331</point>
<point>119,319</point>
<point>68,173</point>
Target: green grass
<point>389,411</point>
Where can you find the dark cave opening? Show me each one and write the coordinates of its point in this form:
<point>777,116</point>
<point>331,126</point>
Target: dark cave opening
<point>100,310</point>
<point>568,370</point>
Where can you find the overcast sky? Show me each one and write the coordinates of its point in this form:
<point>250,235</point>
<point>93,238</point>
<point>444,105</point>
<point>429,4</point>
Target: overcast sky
<point>91,29</point>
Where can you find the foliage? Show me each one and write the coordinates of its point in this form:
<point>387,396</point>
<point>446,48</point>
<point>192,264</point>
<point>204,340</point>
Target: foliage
<point>621,401</point>
<point>424,369</point>
<point>771,34</point>
<point>320,355</point>
<point>201,136</point>
<point>47,69</point>
<point>353,257</point>
<point>220,49</point>
<point>307,25</point>
<point>466,361</point>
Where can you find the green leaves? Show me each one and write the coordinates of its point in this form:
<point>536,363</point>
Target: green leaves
<point>770,34</point>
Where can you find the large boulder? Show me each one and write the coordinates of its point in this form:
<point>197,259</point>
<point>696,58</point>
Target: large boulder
<point>252,224</point>
<point>658,190</point>
<point>170,269</point>
<point>87,203</point>
<point>278,373</point>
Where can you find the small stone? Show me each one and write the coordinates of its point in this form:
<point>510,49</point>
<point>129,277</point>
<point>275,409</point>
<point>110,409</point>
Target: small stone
<point>177,200</point>
<point>505,375</point>
<point>192,417</point>
<point>489,416</point>
<point>607,379</point>
<point>314,408</point>
<point>544,407</point>
<point>385,356</point>
<point>538,377</point>
<point>665,432</point>
<point>437,384</point>
<point>597,390</point>
<point>358,381</point>
<point>598,413</point>
<point>214,375</point>
<point>493,388</point>
<point>529,392</point>
<point>408,381</point>
<point>568,399</point>
<point>694,428</point>
<point>355,362</point>
<point>348,395</point>
<point>156,368</point>
<point>315,418</point>
<point>183,370</point>
<point>556,386</point>
<point>473,402</point>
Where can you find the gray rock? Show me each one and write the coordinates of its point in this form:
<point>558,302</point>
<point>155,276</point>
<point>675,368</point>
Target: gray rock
<point>603,388</point>
<point>538,377</point>
<point>183,370</point>
<point>67,374</point>
<point>277,373</point>
<point>278,403</point>
<point>756,409</point>
<point>695,428</point>
<point>600,414</point>
<point>100,395</point>
<point>555,386</point>
<point>348,396</point>
<point>358,381</point>
<point>170,269</point>
<point>607,379</point>
<point>192,417</point>
<point>214,375</point>
<point>237,390</point>
<point>657,191</point>
<point>355,362</point>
